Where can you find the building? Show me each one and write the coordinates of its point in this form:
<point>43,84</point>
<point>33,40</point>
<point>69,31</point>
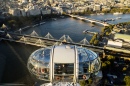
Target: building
<point>64,63</point>
<point>23,12</point>
<point>14,12</point>
<point>34,10</point>
<point>114,44</point>
<point>106,8</point>
<point>46,11</point>
<point>97,8</point>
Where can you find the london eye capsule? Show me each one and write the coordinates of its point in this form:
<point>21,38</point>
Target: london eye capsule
<point>66,63</point>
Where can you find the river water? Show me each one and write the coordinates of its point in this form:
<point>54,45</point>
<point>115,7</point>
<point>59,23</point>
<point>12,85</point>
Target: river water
<point>74,27</point>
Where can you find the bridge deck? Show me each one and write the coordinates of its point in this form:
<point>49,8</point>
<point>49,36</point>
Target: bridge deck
<point>90,20</point>
<point>43,42</point>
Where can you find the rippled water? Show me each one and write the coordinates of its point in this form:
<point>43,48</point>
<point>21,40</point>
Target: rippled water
<point>74,27</point>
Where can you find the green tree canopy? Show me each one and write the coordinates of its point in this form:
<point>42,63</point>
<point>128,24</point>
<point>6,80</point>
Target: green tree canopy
<point>127,80</point>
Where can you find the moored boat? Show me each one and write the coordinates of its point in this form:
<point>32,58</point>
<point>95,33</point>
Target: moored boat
<point>117,13</point>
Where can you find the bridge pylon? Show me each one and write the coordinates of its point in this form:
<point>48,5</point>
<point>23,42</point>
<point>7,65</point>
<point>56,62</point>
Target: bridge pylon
<point>69,39</point>
<point>63,38</point>
<point>84,41</point>
<point>66,38</point>
<point>23,39</point>
<point>39,42</point>
<point>9,36</point>
<point>34,33</point>
<point>49,36</point>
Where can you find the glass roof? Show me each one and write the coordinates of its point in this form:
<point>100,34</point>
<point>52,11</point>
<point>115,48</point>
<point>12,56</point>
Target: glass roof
<point>41,56</point>
<point>86,55</point>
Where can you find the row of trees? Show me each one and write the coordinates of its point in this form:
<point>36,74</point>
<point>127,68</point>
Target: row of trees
<point>104,32</point>
<point>127,80</point>
<point>94,40</point>
<point>124,23</point>
<point>86,82</point>
<point>107,30</point>
<point>107,61</point>
<point>122,10</point>
<point>113,10</point>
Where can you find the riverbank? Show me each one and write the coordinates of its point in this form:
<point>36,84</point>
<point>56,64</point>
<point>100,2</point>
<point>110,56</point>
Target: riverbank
<point>41,22</point>
<point>123,10</point>
<point>15,23</point>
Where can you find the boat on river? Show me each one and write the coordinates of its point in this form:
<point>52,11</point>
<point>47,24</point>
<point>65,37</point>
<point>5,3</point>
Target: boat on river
<point>54,19</point>
<point>118,18</point>
<point>117,13</point>
<point>89,32</point>
<point>42,23</point>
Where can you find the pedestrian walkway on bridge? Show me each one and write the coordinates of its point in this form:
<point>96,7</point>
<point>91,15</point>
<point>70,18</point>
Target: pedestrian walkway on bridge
<point>90,20</point>
<point>48,40</point>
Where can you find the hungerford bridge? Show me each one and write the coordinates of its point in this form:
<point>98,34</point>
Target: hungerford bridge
<point>90,20</point>
<point>48,40</point>
<point>35,40</point>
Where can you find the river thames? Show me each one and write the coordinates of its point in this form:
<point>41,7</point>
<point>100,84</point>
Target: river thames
<point>74,27</point>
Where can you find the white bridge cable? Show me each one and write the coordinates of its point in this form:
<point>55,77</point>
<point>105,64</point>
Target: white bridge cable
<point>23,39</point>
<point>49,36</point>
<point>84,41</point>
<point>69,39</point>
<point>66,38</point>
<point>39,41</point>
<point>9,36</point>
<point>63,38</point>
<point>34,33</point>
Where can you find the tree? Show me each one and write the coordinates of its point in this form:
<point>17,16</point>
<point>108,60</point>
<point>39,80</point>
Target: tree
<point>96,42</point>
<point>82,82</point>
<point>124,69</point>
<point>110,57</point>
<point>12,23</point>
<point>108,62</point>
<point>93,39</point>
<point>107,33</point>
<point>127,80</point>
<point>102,30</point>
<point>104,65</point>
